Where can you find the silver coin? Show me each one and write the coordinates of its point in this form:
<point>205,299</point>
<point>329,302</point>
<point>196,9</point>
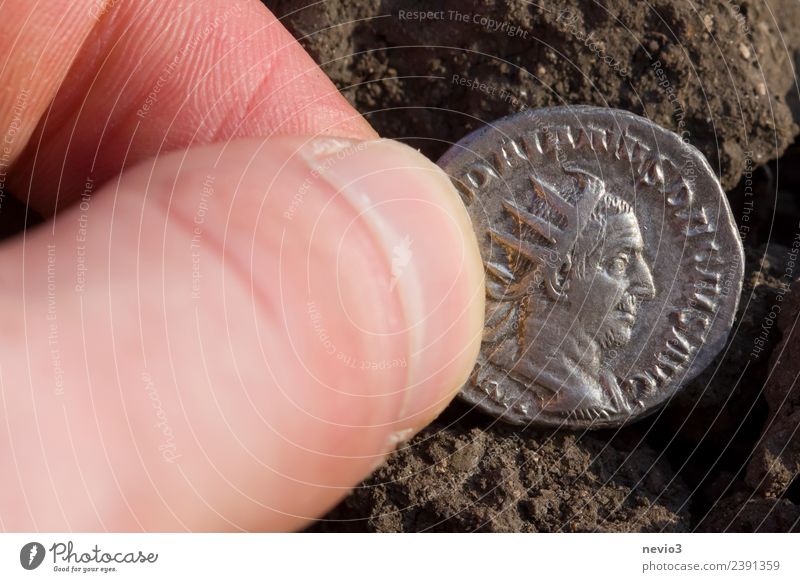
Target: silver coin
<point>613,264</point>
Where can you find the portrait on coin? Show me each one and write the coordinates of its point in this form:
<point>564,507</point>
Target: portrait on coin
<point>568,290</point>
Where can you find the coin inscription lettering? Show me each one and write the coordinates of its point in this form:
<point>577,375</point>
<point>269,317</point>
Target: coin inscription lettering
<point>613,265</point>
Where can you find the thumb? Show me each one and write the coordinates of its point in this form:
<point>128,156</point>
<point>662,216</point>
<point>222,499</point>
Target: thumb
<point>281,313</point>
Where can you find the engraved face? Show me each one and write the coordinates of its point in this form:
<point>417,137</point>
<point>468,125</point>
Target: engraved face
<point>581,298</point>
<point>605,295</point>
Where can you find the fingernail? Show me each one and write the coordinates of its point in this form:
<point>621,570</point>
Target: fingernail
<point>426,237</point>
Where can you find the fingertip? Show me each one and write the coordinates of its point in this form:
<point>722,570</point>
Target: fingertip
<point>425,235</point>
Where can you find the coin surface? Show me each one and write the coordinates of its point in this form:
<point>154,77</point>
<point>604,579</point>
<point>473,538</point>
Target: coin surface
<point>613,264</point>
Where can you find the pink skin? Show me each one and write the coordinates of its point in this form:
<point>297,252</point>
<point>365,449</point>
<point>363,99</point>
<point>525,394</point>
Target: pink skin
<point>247,77</point>
<point>253,404</point>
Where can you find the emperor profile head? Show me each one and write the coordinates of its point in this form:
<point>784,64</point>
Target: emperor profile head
<point>575,266</point>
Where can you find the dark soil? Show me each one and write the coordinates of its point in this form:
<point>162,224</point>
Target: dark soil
<point>727,65</point>
<point>725,454</point>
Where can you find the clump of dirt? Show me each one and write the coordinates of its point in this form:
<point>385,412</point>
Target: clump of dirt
<point>775,466</point>
<point>713,423</point>
<point>458,477</point>
<point>723,455</point>
<point>720,73</point>
<point>744,513</point>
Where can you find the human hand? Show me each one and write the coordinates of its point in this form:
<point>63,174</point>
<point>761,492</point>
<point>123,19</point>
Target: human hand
<point>229,335</point>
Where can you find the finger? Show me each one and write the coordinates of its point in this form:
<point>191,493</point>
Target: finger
<point>158,76</point>
<point>37,46</point>
<point>264,321</point>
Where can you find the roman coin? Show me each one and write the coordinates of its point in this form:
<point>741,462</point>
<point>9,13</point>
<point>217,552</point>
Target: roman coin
<point>613,264</point>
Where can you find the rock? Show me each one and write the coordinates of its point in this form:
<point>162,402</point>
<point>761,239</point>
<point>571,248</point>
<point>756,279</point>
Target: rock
<point>457,477</point>
<point>776,460</point>
<point>717,71</point>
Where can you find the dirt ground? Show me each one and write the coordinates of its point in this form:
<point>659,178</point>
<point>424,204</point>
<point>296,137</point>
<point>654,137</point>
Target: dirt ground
<point>724,455</point>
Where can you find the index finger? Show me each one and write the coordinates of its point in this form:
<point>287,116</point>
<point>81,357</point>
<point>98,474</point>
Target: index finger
<point>118,82</point>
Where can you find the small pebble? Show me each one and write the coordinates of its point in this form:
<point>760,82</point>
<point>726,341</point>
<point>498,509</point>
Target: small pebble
<point>744,51</point>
